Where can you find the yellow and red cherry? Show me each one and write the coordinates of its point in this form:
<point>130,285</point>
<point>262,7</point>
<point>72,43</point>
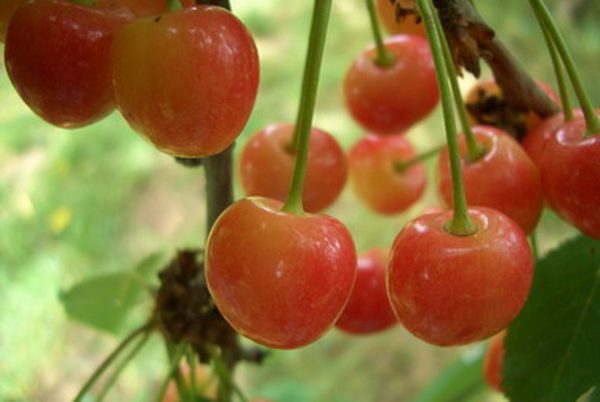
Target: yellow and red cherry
<point>492,364</point>
<point>409,24</point>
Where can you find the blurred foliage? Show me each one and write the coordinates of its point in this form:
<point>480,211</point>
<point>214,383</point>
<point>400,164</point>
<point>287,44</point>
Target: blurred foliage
<point>93,201</point>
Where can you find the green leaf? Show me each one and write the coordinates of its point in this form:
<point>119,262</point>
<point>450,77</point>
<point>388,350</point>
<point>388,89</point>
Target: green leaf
<point>595,397</point>
<point>459,380</point>
<point>553,347</point>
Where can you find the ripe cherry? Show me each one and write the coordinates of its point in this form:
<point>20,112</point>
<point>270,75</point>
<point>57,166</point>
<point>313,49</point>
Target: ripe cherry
<point>571,175</point>
<point>492,365</point>
<point>7,9</point>
<point>409,24</point>
<point>377,177</point>
<point>453,290</point>
<point>390,99</point>
<point>186,80</point>
<point>267,162</point>
<point>279,279</point>
<point>368,310</point>
<point>505,178</point>
<point>58,57</point>
<point>137,7</point>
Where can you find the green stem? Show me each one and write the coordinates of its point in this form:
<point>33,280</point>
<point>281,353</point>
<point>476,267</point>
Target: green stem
<point>401,166</point>
<point>109,360</point>
<point>177,352</point>
<point>384,57</point>
<point>174,362</point>
<point>191,360</point>
<point>119,369</point>
<point>310,83</point>
<point>534,246</point>
<point>558,69</point>
<point>224,376</point>
<point>461,224</point>
<point>591,119</point>
<point>474,151</point>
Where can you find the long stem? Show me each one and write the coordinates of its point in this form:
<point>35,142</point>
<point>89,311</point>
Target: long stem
<point>474,151</point>
<point>176,352</point>
<point>174,362</point>
<point>384,57</point>
<point>461,224</point>
<point>558,69</point>
<point>402,166</point>
<point>591,119</point>
<point>218,171</point>
<point>119,369</point>
<point>310,83</point>
<point>109,360</point>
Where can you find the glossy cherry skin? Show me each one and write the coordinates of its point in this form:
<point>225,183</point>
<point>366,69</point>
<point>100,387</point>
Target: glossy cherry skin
<point>408,25</point>
<point>368,310</point>
<point>279,279</point>
<point>388,100</point>
<point>136,7</point>
<point>267,164</point>
<point>505,178</point>
<point>58,57</point>
<point>187,80</point>
<point>453,290</point>
<point>494,358</point>
<point>375,176</point>
<point>7,9</point>
<point>571,176</point>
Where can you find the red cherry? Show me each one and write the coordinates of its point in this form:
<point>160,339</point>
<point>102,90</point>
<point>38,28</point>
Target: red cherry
<point>7,9</point>
<point>267,163</point>
<point>492,365</point>
<point>407,25</point>
<point>505,178</point>
<point>59,60</point>
<point>279,279</point>
<point>453,290</point>
<point>571,176</point>
<point>376,179</point>
<point>368,310</point>
<point>137,7</point>
<point>186,80</point>
<point>388,100</point>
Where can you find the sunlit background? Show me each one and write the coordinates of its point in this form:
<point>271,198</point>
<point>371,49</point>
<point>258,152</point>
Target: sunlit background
<point>74,204</point>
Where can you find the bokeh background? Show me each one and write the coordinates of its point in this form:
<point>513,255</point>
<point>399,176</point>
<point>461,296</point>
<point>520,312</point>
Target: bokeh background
<point>74,204</point>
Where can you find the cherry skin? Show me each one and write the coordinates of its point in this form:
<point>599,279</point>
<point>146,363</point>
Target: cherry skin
<point>571,176</point>
<point>186,80</point>
<point>58,57</point>
<point>7,9</point>
<point>138,8</point>
<point>368,310</point>
<point>407,25</point>
<point>279,279</point>
<point>267,164</point>
<point>376,177</point>
<point>492,365</point>
<point>388,100</point>
<point>505,178</point>
<point>453,290</point>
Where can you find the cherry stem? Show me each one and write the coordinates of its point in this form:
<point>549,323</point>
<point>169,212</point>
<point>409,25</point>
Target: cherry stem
<point>310,84</point>
<point>474,151</point>
<point>122,365</point>
<point>174,362</point>
<point>534,246</point>
<point>384,57</point>
<point>402,166</point>
<point>591,119</point>
<point>218,172</point>
<point>110,359</point>
<point>558,69</point>
<point>461,224</point>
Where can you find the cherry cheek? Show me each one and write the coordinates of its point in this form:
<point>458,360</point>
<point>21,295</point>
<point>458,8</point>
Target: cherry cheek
<point>453,290</point>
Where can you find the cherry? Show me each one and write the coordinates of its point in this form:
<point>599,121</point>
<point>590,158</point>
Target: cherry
<point>137,7</point>
<point>410,24</point>
<point>390,99</point>
<point>453,290</point>
<point>376,175</point>
<point>278,278</point>
<point>186,80</point>
<point>368,310</point>
<point>570,175</point>
<point>58,57</point>
<point>7,9</point>
<point>505,178</point>
<point>267,162</point>
<point>492,365</point>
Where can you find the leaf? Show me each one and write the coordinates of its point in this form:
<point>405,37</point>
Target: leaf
<point>457,381</point>
<point>595,397</point>
<point>553,347</point>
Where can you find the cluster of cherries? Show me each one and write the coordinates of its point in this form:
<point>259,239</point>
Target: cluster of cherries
<point>281,276</point>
